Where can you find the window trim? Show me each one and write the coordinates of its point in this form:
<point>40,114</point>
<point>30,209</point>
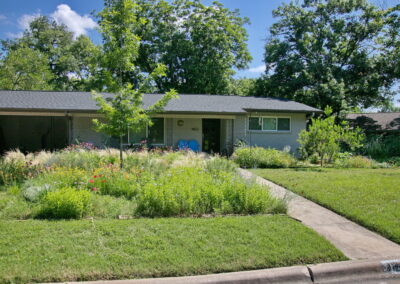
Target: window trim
<point>147,134</point>
<point>276,124</point>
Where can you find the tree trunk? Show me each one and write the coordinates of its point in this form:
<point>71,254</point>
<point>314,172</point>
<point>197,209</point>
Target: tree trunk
<point>322,160</point>
<point>121,161</point>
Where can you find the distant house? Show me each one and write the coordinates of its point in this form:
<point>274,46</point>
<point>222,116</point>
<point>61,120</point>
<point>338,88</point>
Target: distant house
<point>34,120</point>
<point>376,123</point>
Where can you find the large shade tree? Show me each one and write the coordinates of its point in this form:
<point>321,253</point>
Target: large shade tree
<point>25,69</point>
<point>71,60</point>
<point>333,52</point>
<point>201,45</point>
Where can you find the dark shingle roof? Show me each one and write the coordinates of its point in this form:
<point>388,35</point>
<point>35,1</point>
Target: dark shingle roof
<point>82,102</point>
<point>382,121</point>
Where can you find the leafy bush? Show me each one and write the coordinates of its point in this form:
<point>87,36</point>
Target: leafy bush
<point>66,203</point>
<point>193,191</point>
<point>58,178</point>
<point>325,137</point>
<point>258,157</point>
<point>382,147</point>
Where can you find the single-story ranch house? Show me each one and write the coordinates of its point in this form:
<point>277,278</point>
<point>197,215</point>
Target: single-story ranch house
<point>34,120</point>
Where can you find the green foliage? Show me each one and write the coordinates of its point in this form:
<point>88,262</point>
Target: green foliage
<point>66,203</point>
<point>53,45</point>
<point>382,146</point>
<point>15,171</point>
<point>125,110</point>
<point>192,191</point>
<point>259,157</point>
<point>243,87</point>
<point>201,45</point>
<point>216,165</point>
<point>112,181</point>
<point>110,207</point>
<point>25,69</point>
<point>13,206</point>
<point>324,137</point>
<point>339,53</point>
<point>354,162</point>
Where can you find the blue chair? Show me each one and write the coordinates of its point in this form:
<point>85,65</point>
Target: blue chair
<point>183,145</point>
<point>194,145</point>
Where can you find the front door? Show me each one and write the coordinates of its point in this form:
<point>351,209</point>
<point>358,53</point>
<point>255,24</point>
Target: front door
<point>211,135</point>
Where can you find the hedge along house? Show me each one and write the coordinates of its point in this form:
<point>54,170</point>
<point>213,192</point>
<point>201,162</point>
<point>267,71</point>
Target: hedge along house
<point>35,120</point>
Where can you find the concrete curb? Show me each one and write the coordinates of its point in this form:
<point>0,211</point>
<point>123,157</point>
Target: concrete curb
<point>359,271</point>
<point>363,271</point>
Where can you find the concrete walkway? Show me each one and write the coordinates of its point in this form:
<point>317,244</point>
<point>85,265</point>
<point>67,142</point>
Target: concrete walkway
<point>354,241</point>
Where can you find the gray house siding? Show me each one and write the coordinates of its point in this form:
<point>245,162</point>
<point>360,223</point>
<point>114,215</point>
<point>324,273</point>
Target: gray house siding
<point>82,130</point>
<point>273,139</point>
<point>232,130</point>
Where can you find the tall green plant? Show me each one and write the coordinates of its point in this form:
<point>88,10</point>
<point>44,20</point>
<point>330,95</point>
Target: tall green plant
<point>324,137</point>
<point>124,111</point>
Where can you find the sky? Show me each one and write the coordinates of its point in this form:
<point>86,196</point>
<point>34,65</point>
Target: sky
<point>77,15</point>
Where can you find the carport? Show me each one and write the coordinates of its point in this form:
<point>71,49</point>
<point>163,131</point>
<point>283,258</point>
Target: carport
<point>31,133</point>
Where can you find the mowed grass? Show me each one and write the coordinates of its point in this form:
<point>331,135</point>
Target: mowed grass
<point>370,197</point>
<point>44,251</point>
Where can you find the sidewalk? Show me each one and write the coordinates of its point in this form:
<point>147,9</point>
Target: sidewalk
<point>353,240</point>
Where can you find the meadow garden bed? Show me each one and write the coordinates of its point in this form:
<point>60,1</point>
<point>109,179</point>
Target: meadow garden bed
<point>59,218</point>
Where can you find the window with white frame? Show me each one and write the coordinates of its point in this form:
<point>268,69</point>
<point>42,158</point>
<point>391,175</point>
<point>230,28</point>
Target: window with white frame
<point>269,123</point>
<point>153,134</point>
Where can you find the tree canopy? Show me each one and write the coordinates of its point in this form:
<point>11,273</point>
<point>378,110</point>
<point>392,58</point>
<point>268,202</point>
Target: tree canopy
<point>25,69</point>
<point>333,52</point>
<point>70,60</point>
<point>201,45</point>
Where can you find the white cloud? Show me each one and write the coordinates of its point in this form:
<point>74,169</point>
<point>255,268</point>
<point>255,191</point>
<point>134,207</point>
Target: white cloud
<point>2,17</point>
<point>76,23</point>
<point>258,69</point>
<point>25,20</point>
<point>13,35</point>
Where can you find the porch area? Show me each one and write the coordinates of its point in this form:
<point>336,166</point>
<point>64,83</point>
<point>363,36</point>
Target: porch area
<point>212,134</point>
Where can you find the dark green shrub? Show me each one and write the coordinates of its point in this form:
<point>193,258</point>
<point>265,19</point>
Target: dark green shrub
<point>382,146</point>
<point>258,157</point>
<point>66,203</point>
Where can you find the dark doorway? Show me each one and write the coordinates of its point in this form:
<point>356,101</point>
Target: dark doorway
<point>33,133</point>
<point>211,135</point>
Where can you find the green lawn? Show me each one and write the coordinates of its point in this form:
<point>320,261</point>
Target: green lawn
<point>370,197</point>
<point>43,251</point>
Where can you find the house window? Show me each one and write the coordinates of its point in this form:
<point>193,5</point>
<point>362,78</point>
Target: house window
<point>269,123</point>
<point>153,134</point>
